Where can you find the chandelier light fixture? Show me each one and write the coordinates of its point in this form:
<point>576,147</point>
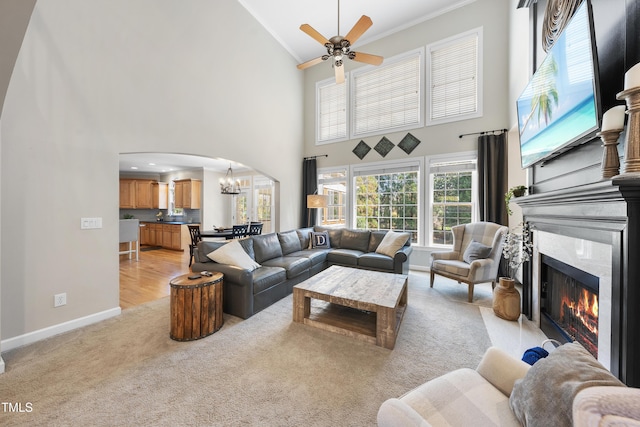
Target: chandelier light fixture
<point>229,185</point>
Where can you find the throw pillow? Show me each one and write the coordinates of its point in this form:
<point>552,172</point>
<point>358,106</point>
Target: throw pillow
<point>392,242</point>
<point>544,397</point>
<point>475,251</point>
<point>232,253</point>
<point>320,240</point>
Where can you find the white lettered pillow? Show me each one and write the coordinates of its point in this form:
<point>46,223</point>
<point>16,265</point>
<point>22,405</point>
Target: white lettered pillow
<point>233,254</point>
<point>392,242</point>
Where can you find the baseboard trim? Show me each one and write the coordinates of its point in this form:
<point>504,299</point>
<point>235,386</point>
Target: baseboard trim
<point>31,337</point>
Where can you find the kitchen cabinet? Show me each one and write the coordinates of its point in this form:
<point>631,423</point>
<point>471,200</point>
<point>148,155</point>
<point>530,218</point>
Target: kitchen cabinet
<point>127,194</point>
<point>144,234</point>
<point>188,193</point>
<point>160,195</point>
<point>171,236</point>
<point>136,194</point>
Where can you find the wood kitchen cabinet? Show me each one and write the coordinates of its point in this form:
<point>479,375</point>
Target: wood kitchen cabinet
<point>127,194</point>
<point>160,195</point>
<point>145,234</point>
<point>136,194</point>
<point>187,193</point>
<point>171,236</point>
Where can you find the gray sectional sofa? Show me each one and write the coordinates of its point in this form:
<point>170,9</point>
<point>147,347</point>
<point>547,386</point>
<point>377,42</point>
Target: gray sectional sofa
<point>286,259</point>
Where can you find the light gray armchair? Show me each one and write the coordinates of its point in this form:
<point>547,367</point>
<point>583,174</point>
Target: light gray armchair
<point>475,258</point>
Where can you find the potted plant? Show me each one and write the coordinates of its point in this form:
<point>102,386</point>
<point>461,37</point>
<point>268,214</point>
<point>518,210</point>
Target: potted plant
<point>517,191</point>
<point>516,249</point>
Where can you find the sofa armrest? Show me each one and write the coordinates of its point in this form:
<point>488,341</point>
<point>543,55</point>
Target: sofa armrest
<point>501,370</point>
<point>232,273</point>
<point>395,413</point>
<point>607,406</point>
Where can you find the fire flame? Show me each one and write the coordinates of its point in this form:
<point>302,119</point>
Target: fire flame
<point>585,310</point>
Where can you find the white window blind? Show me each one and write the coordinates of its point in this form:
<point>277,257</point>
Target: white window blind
<point>387,97</point>
<point>331,111</point>
<point>454,87</point>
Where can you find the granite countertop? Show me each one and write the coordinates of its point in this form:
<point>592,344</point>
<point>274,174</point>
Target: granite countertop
<point>170,222</point>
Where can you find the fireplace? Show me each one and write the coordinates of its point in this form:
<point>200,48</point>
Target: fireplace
<point>569,303</point>
<point>595,228</point>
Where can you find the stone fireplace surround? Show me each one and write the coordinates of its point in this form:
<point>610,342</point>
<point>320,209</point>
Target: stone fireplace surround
<point>596,228</point>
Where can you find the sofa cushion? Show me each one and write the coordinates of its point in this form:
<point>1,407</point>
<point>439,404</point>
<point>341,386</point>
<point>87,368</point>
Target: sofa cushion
<point>344,256</point>
<point>266,246</point>
<point>545,395</point>
<point>204,247</point>
<point>266,277</point>
<point>475,251</point>
<point>392,242</point>
<point>459,268</point>
<point>289,241</point>
<point>320,239</point>
<point>374,241</point>
<point>294,266</point>
<point>316,256</point>
<point>335,235</point>
<point>304,234</point>
<point>376,261</point>
<point>439,401</point>
<point>355,239</point>
<point>233,254</point>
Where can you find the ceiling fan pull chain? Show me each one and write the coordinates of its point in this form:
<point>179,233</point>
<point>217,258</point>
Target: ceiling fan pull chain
<point>338,17</point>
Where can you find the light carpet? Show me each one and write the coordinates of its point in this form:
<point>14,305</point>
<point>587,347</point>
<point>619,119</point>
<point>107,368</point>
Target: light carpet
<point>265,370</point>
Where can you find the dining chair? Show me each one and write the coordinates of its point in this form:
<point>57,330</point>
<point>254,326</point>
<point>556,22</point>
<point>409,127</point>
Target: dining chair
<point>255,228</point>
<point>240,231</point>
<point>194,231</point>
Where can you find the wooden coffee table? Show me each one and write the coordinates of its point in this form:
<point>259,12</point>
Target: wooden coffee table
<point>363,304</point>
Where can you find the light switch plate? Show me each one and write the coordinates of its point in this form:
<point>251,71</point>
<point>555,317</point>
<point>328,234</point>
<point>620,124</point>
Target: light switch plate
<point>90,223</point>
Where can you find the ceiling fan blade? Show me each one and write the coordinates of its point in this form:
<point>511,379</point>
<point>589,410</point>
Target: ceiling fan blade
<point>361,26</point>
<point>339,73</point>
<point>367,58</point>
<point>310,63</point>
<point>314,34</point>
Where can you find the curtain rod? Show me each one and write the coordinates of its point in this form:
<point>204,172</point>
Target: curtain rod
<point>482,133</point>
<point>315,157</point>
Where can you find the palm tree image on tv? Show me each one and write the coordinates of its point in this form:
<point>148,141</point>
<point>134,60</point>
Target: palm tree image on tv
<point>545,93</point>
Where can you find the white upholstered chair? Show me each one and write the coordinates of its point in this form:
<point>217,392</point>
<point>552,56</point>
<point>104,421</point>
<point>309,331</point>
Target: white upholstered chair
<point>475,258</point>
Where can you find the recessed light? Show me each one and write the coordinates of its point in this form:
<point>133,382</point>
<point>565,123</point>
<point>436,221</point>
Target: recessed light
<point>152,164</point>
<point>134,167</point>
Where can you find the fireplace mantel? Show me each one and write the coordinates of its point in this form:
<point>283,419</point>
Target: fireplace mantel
<point>608,212</point>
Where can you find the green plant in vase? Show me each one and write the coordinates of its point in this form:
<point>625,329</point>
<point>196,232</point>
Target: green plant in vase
<point>517,191</point>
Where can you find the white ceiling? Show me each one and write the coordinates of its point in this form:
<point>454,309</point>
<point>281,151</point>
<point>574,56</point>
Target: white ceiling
<point>282,18</point>
<point>168,162</point>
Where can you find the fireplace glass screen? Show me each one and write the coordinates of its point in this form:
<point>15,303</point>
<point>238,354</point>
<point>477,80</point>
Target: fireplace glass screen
<point>569,304</point>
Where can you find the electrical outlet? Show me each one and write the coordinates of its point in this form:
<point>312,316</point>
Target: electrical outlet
<point>59,300</point>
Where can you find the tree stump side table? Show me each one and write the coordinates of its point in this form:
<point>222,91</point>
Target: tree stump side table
<point>196,306</point>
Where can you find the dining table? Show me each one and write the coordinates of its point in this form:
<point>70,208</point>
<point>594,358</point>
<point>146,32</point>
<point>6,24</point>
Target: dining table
<point>218,232</point>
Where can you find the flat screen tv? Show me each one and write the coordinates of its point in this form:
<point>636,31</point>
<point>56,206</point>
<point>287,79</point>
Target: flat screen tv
<point>560,107</point>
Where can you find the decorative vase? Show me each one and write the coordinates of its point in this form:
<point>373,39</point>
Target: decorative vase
<point>506,299</point>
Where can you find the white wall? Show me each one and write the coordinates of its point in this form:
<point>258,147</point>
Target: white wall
<point>439,139</point>
<point>99,78</point>
<point>493,16</point>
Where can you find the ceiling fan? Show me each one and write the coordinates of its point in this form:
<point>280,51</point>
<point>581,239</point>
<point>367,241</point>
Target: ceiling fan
<point>339,47</point>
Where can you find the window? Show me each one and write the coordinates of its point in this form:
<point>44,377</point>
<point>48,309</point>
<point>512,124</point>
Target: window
<point>331,111</point>
<point>387,198</point>
<point>333,183</point>
<point>453,198</point>
<point>454,68</point>
<point>255,202</point>
<point>388,97</point>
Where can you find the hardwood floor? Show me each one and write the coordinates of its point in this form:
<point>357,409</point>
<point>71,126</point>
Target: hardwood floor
<point>148,278</point>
